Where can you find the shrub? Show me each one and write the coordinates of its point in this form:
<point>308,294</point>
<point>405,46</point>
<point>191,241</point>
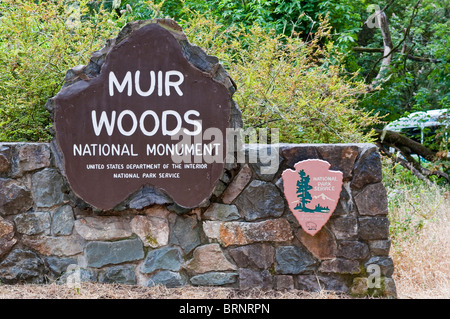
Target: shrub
<point>39,42</point>
<point>287,83</point>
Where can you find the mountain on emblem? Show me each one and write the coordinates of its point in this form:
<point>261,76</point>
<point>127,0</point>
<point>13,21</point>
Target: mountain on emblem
<point>312,191</point>
<point>323,197</point>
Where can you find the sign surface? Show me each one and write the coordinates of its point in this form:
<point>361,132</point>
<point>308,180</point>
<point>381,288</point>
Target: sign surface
<point>149,118</point>
<point>312,192</point>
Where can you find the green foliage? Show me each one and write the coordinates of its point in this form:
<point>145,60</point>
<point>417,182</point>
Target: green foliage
<point>287,83</point>
<point>412,85</point>
<point>285,17</point>
<point>39,42</point>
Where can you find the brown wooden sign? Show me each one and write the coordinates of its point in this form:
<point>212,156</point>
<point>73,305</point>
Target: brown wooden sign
<point>149,118</point>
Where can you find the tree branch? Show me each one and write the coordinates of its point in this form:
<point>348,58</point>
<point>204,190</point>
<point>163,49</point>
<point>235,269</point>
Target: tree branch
<point>406,147</point>
<point>387,41</point>
<point>408,56</point>
<point>400,141</point>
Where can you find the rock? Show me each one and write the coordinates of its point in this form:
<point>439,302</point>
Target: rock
<point>255,279</point>
<point>352,249</point>
<point>267,160</point>
<point>385,262</point>
<point>22,266</point>
<point>47,186</point>
<point>5,158</point>
<point>58,265</point>
<point>390,289</point>
<point>33,223</point>
<point>318,283</point>
<point>260,200</point>
<point>219,189</point>
<point>7,239</point>
<point>244,233</point>
<point>294,153</point>
<point>215,279</point>
<point>259,256</point>
<point>237,185</point>
<point>367,169</point>
<point>372,200</point>
<point>322,245</point>
<point>380,247</point>
<point>373,228</point>
<point>359,287</point>
<point>76,275</point>
<point>212,229</point>
<point>100,253</point>
<point>157,211</point>
<point>185,233</point>
<point>103,227</point>
<point>57,246</point>
<point>345,205</point>
<point>279,183</point>
<point>63,221</point>
<point>6,229</point>
<point>340,266</point>
<point>177,209</point>
<point>14,197</point>
<point>284,282</point>
<point>293,260</point>
<point>167,278</point>
<point>221,212</point>
<point>6,245</point>
<point>345,227</point>
<point>153,231</point>
<point>30,157</point>
<point>147,196</point>
<point>167,258</point>
<point>208,258</point>
<point>120,274</point>
<point>341,157</point>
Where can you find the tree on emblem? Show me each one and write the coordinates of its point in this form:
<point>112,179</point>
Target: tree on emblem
<point>303,194</point>
<point>305,197</point>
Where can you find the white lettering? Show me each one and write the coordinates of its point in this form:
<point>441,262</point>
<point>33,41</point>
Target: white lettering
<point>160,79</point>
<point>164,83</point>
<point>138,84</point>
<point>141,123</point>
<point>103,122</point>
<point>165,131</point>
<point>176,84</point>
<point>197,124</point>
<point>120,86</point>
<point>119,123</point>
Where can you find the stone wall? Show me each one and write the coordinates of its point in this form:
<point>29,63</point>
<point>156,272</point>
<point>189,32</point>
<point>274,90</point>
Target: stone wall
<point>244,236</point>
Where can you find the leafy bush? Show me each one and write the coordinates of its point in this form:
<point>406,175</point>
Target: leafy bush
<point>287,83</point>
<point>39,42</point>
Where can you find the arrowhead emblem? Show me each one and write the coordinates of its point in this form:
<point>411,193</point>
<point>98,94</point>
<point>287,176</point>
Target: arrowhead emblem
<point>312,192</point>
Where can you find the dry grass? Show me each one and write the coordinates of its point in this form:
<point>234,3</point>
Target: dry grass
<point>116,291</point>
<point>421,243</point>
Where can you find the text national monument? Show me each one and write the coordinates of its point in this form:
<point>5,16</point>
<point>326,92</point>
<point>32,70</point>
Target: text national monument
<point>148,181</point>
<point>150,117</point>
